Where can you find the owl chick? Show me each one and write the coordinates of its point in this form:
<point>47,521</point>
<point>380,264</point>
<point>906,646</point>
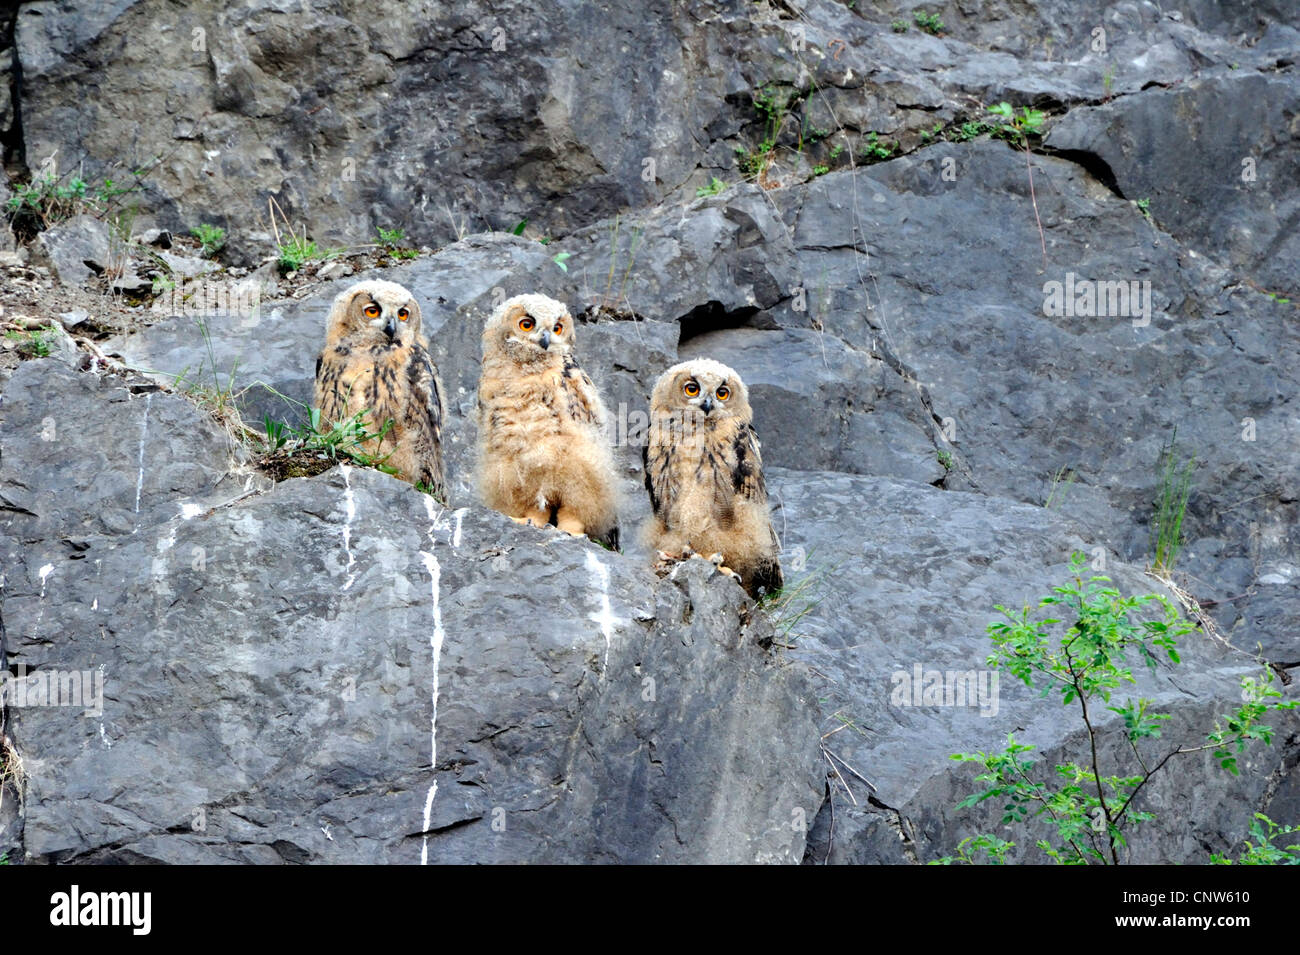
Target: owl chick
<point>544,455</point>
<point>705,476</point>
<point>376,360</point>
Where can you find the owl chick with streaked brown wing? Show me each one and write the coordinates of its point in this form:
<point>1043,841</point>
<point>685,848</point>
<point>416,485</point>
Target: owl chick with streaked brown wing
<point>376,360</point>
<point>705,475</point>
<point>544,451</point>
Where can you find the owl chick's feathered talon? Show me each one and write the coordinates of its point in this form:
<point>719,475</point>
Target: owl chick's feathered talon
<point>705,475</point>
<point>544,451</point>
<point>376,360</point>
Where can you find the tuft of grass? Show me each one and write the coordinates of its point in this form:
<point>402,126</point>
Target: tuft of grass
<point>1175,486</point>
<point>1062,480</point>
<point>212,238</point>
<point>298,252</point>
<point>792,603</point>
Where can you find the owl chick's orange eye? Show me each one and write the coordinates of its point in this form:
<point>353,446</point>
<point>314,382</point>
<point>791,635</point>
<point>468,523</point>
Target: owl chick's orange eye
<point>403,314</point>
<point>559,328</point>
<point>723,392</point>
<point>526,324</point>
<point>692,389</point>
<point>372,310</point>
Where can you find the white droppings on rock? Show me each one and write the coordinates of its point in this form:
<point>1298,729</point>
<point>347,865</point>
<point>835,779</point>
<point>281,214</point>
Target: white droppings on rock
<point>604,617</point>
<point>45,572</point>
<point>349,515</point>
<point>139,480</point>
<point>435,643</point>
<point>190,510</point>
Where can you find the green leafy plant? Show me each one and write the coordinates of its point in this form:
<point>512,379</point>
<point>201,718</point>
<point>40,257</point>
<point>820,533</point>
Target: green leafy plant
<point>561,258</point>
<point>945,458</point>
<point>1016,128</point>
<point>1263,851</point>
<point>1144,207</point>
<point>212,238</point>
<point>929,22</point>
<point>875,150</point>
<point>969,130</point>
<point>31,343</point>
<point>898,26</point>
<point>393,241</point>
<point>1087,812</point>
<point>1108,80</point>
<point>49,198</point>
<point>836,150</point>
<point>712,189</point>
<point>1173,491</point>
<point>820,170</point>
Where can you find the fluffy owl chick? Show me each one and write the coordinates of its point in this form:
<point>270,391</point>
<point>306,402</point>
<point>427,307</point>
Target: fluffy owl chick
<point>705,476</point>
<point>376,360</point>
<point>544,454</point>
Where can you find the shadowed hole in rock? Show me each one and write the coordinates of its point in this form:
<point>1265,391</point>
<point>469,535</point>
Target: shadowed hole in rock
<point>711,317</point>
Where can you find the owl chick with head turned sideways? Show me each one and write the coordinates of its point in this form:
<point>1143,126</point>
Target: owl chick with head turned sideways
<point>376,360</point>
<point>544,452</point>
<point>705,475</point>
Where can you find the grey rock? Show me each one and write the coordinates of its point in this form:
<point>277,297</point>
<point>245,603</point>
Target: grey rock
<point>334,270</point>
<point>188,267</point>
<point>1216,158</point>
<point>159,237</point>
<point>77,248</point>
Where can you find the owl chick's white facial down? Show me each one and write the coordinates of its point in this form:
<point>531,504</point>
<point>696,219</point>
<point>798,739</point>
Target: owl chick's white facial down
<point>544,452</point>
<point>376,360</point>
<point>705,475</point>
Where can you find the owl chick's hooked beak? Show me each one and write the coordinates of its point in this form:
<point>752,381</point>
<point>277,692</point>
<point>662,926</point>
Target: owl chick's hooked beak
<point>390,327</point>
<point>545,339</point>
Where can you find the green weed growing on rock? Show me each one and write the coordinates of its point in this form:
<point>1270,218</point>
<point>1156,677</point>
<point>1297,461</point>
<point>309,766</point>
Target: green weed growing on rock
<point>1077,645</point>
<point>212,238</point>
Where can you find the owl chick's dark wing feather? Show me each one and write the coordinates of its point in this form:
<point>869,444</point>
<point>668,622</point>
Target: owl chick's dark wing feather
<point>581,400</point>
<point>424,413</point>
<point>657,459</point>
<point>747,472</point>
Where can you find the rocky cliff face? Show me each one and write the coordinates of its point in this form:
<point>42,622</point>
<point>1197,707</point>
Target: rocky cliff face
<point>336,668</point>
